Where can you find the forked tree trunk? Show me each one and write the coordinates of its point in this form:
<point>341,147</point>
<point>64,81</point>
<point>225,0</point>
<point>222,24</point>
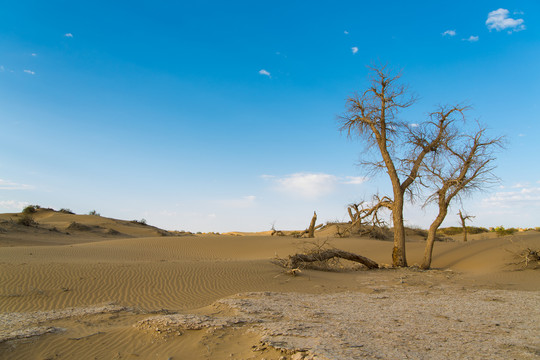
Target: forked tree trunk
<point>463,218</point>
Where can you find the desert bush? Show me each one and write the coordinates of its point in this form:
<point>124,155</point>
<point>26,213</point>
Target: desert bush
<point>476,230</point>
<point>454,230</point>
<point>30,209</point>
<point>501,231</point>
<point>26,220</point>
<point>77,226</point>
<point>67,211</point>
<point>140,222</point>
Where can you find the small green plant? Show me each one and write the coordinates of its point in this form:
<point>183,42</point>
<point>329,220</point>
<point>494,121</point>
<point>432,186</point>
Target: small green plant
<point>30,209</point>
<point>67,211</point>
<point>94,212</point>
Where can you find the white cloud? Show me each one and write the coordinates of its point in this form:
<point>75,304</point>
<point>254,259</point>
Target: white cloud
<point>69,35</point>
<point>354,49</point>
<point>499,20</point>
<point>264,72</point>
<point>346,32</point>
<point>414,125</point>
<point>354,180</point>
<point>29,72</point>
<point>471,38</point>
<point>312,185</point>
<point>9,185</point>
<point>34,54</point>
<point>449,33</point>
<point>513,199</point>
<point>2,68</point>
<point>13,205</point>
<point>307,185</point>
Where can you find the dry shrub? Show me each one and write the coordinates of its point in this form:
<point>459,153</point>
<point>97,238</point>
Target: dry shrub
<point>30,209</point>
<point>528,258</point>
<point>26,220</point>
<point>78,227</point>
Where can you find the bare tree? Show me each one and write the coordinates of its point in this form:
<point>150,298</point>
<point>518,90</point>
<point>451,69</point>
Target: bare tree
<point>463,164</point>
<point>392,144</point>
<point>463,218</point>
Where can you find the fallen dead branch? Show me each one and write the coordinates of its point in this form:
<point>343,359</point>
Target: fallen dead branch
<point>320,255</point>
<point>527,257</point>
<point>296,260</point>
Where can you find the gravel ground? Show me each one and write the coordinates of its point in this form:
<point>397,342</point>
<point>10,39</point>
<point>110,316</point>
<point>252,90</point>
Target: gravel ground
<point>406,323</point>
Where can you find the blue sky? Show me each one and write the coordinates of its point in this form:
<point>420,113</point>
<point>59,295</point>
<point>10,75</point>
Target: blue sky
<point>221,116</point>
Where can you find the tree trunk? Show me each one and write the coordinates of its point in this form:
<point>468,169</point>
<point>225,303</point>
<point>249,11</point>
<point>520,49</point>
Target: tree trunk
<point>463,218</point>
<point>311,229</point>
<point>351,214</point>
<point>432,233</point>
<point>399,258</point>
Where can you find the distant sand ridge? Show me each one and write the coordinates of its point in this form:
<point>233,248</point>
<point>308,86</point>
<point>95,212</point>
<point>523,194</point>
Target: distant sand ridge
<point>53,280</point>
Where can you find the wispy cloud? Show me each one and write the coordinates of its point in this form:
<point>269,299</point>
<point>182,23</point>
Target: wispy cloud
<point>354,49</point>
<point>346,32</point>
<point>29,72</point>
<point>13,205</point>
<point>10,185</point>
<point>413,125</point>
<point>499,20</point>
<point>68,35</point>
<point>307,185</point>
<point>354,180</point>
<point>264,72</point>
<point>312,185</point>
<point>512,199</point>
<point>449,33</point>
<point>34,54</point>
<point>2,68</point>
<point>471,38</point>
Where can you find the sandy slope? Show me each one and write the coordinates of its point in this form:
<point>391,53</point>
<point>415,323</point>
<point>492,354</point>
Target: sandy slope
<point>147,273</point>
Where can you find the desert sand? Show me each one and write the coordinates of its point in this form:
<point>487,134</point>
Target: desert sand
<point>114,289</point>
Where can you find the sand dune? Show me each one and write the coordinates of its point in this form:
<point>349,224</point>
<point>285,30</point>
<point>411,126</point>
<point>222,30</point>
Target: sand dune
<point>42,270</point>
